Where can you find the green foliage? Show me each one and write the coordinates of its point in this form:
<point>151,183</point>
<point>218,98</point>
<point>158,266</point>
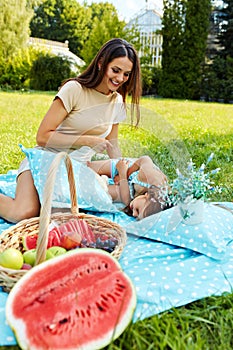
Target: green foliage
<point>14,26</point>
<point>194,184</point>
<point>48,71</point>
<point>195,40</point>
<point>226,34</point>
<point>185,30</point>
<point>218,83</point>
<point>61,20</point>
<point>15,72</point>
<point>85,27</point>
<point>218,76</point>
<point>150,79</point>
<point>172,82</point>
<point>105,25</point>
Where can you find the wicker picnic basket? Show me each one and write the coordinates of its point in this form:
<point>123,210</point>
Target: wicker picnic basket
<point>12,237</point>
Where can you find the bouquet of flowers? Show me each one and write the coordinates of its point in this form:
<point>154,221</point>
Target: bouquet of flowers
<point>193,185</point>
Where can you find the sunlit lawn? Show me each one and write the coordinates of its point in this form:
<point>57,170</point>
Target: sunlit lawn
<point>171,132</point>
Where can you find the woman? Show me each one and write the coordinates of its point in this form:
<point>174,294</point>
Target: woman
<point>83,119</point>
<point>135,183</point>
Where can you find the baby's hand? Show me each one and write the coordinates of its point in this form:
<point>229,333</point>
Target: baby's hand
<point>116,179</point>
<point>122,166</point>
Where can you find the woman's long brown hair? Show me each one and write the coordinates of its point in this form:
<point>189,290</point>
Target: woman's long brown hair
<point>94,73</point>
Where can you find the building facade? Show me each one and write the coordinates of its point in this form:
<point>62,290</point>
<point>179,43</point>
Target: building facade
<point>148,22</point>
<point>58,48</point>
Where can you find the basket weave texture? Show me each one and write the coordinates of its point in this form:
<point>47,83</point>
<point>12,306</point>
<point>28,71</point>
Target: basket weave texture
<point>13,237</point>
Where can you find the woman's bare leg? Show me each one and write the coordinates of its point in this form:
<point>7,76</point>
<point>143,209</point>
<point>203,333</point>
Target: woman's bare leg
<point>26,203</point>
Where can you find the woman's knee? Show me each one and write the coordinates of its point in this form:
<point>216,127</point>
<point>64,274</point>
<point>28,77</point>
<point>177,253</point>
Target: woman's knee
<point>29,212</point>
<point>26,203</point>
<point>23,212</point>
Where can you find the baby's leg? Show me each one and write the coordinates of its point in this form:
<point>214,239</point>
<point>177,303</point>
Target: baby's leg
<point>101,167</point>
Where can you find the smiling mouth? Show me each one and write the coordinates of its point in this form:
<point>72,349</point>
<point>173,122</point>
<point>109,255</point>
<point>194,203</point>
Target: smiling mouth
<point>115,83</point>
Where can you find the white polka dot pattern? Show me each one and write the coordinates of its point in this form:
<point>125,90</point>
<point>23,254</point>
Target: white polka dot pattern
<point>210,237</point>
<point>91,195</point>
<point>165,275</point>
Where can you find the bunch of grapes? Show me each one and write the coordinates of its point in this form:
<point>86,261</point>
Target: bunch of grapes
<point>101,243</point>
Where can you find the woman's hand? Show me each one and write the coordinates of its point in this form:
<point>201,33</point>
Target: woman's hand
<point>97,143</point>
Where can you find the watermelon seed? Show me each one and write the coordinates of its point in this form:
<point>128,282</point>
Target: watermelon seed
<point>88,313</point>
<point>112,297</point>
<point>104,305</point>
<point>100,307</point>
<point>65,320</point>
<point>122,286</point>
<point>104,297</point>
<point>77,312</point>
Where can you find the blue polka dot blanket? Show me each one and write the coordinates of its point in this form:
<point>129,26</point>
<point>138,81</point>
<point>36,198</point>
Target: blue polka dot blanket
<point>170,263</point>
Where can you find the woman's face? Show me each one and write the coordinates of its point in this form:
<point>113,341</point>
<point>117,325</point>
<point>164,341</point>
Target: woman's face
<point>138,205</point>
<point>117,73</point>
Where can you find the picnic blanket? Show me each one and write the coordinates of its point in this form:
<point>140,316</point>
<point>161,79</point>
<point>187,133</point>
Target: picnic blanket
<point>171,264</point>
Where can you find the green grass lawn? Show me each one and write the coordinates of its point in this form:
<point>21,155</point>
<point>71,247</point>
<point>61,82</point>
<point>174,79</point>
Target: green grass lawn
<point>171,132</point>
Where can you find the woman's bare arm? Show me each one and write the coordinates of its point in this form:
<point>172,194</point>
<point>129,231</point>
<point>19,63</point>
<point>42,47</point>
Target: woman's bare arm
<point>48,136</point>
<point>115,151</point>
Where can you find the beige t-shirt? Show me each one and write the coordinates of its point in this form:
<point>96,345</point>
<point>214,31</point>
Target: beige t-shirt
<point>89,113</point>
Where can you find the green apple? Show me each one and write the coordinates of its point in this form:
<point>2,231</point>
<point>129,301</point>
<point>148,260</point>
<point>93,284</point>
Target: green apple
<point>54,251</point>
<point>11,258</point>
<point>29,257</point>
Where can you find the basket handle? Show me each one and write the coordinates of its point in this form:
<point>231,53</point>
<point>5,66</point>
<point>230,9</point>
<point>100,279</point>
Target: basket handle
<point>45,211</point>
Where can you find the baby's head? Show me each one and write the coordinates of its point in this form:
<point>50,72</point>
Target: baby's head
<point>146,204</point>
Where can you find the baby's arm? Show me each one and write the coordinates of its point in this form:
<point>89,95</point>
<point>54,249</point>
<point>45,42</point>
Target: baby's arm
<point>150,173</point>
<point>142,161</point>
<point>122,167</point>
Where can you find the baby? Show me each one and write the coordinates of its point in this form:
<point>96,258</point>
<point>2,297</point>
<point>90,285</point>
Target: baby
<point>135,183</point>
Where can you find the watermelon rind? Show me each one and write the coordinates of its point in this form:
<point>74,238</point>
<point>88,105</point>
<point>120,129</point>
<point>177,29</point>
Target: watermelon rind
<point>28,288</point>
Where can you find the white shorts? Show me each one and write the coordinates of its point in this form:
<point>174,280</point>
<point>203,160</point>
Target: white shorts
<point>24,165</point>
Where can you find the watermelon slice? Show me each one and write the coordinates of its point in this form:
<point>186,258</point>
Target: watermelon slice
<point>77,230</point>
<point>79,300</point>
<point>29,242</point>
<point>81,227</point>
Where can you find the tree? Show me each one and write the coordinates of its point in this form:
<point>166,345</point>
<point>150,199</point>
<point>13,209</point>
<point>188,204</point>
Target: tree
<point>185,31</point>
<point>104,25</point>
<point>226,34</point>
<point>15,17</point>
<point>172,82</point>
<point>61,20</point>
<point>218,79</point>
<point>48,71</point>
<point>195,42</point>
